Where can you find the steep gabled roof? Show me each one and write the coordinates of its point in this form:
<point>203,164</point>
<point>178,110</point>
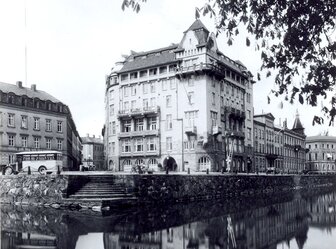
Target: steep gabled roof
<point>197,25</point>
<point>20,91</point>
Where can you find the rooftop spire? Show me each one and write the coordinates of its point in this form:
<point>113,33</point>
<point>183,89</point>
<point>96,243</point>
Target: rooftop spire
<point>298,127</point>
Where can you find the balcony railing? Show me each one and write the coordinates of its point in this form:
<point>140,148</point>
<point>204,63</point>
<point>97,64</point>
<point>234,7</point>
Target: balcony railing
<point>232,133</point>
<point>143,133</point>
<point>140,153</point>
<point>216,130</point>
<point>139,111</point>
<point>190,130</point>
<point>200,67</point>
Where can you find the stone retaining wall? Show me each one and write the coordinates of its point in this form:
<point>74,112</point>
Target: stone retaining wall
<point>53,189</point>
<point>33,189</point>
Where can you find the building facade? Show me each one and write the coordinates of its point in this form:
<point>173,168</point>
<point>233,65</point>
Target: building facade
<point>179,107</point>
<point>31,119</point>
<point>93,152</point>
<point>277,148</point>
<point>321,153</point>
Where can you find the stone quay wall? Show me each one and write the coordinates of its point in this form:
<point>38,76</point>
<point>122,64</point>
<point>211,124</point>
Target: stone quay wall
<point>52,190</point>
<point>33,189</point>
<point>180,188</point>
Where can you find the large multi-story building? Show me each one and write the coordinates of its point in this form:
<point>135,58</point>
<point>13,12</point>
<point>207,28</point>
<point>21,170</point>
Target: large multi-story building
<point>278,148</point>
<point>93,152</point>
<point>179,107</point>
<point>321,153</point>
<point>31,119</point>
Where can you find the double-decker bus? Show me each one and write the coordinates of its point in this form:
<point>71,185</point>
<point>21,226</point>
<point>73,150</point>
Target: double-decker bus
<point>42,162</point>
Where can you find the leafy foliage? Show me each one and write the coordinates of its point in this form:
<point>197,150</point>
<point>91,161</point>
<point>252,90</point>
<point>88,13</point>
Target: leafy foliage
<point>296,39</point>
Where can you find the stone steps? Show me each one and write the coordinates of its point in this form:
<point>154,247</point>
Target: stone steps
<point>99,196</point>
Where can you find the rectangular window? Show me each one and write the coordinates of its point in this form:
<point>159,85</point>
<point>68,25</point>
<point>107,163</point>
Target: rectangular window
<point>172,83</point>
<point>213,116</point>
<point>126,106</point>
<point>36,142</point>
<point>152,71</point>
<point>169,143</point>
<point>249,132</point>
<point>213,99</point>
<point>169,122</point>
<point>126,91</point>
<point>168,101</point>
<point>11,140</point>
<point>152,87</point>
<point>190,118</point>
<point>59,144</point>
<point>153,102</point>
<point>111,94</point>
<point>139,124</point>
<point>134,75</point>
<point>143,73</point>
<point>126,126</point>
<point>48,143</point>
<point>113,127</point>
<point>151,144</point>
<point>11,120</point>
<point>145,104</point>
<point>59,126</point>
<point>24,141</point>
<point>145,88</point>
<point>48,124</point>
<point>124,77</point>
<point>133,104</point>
<point>190,82</point>
<point>111,109</point>
<point>133,90</point>
<point>151,123</point>
<point>36,123</point>
<point>113,147</point>
<point>126,145</point>
<point>248,114</point>
<point>163,70</point>
<point>164,84</point>
<point>24,122</point>
<point>138,145</point>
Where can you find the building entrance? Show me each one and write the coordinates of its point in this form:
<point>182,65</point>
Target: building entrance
<point>170,164</point>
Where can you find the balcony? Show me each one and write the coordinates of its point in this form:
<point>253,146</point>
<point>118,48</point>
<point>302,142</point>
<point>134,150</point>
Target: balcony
<point>140,153</point>
<point>216,130</point>
<point>143,133</point>
<point>139,111</point>
<point>190,130</point>
<point>200,68</point>
<point>231,133</point>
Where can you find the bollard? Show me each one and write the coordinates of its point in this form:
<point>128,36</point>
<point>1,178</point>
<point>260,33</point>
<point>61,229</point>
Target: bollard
<point>207,171</point>
<point>58,170</point>
<point>29,171</point>
<point>166,171</point>
<point>188,171</point>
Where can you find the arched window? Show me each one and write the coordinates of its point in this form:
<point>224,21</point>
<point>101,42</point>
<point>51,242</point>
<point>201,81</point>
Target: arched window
<point>139,162</point>
<point>127,165</point>
<point>204,163</point>
<point>152,163</point>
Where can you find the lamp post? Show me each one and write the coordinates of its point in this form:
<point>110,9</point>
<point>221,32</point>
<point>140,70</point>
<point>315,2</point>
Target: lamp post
<point>182,143</point>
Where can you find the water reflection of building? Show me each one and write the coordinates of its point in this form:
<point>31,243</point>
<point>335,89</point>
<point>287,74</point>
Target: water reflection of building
<point>323,211</point>
<point>11,240</point>
<point>264,227</point>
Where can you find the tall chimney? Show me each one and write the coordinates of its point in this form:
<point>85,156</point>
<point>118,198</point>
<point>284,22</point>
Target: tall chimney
<point>33,87</point>
<point>19,84</point>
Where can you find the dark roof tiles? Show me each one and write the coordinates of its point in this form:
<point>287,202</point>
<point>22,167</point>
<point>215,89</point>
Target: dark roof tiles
<point>42,95</point>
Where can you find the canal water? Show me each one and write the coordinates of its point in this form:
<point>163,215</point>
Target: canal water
<point>293,221</point>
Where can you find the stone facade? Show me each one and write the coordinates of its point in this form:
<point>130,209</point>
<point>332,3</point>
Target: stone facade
<point>31,119</point>
<point>180,107</point>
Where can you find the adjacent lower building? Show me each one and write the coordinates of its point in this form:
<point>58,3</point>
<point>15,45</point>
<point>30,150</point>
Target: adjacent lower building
<point>185,106</point>
<point>31,119</point>
<point>278,148</point>
<point>93,152</point>
<point>321,153</point>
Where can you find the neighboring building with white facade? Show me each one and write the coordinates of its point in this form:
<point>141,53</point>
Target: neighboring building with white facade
<point>31,119</point>
<point>179,107</point>
<point>93,152</point>
<point>321,155</point>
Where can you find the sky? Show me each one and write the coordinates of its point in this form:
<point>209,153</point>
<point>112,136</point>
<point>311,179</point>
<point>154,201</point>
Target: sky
<point>72,44</point>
